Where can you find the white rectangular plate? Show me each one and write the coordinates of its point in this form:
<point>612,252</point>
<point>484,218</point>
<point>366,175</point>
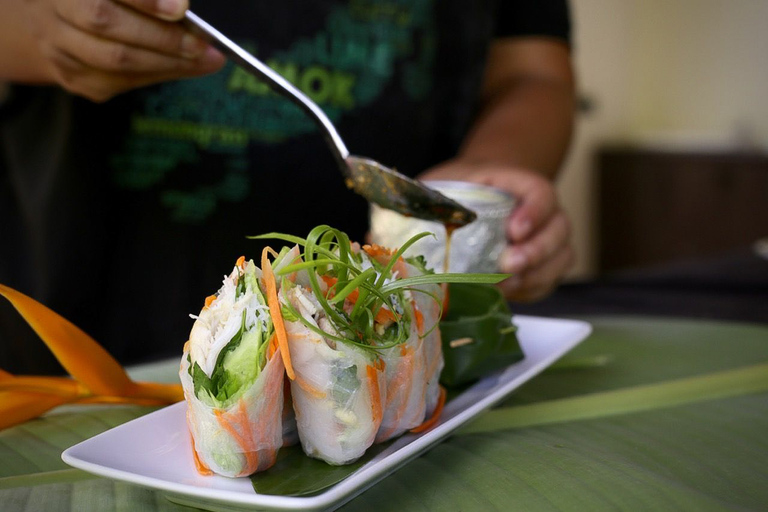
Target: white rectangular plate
<point>154,450</point>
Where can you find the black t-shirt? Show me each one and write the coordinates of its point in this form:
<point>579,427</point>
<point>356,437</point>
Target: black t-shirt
<point>124,216</point>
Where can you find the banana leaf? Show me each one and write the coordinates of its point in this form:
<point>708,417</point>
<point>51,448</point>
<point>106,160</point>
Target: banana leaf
<point>690,455</point>
<point>479,319</point>
<point>295,474</point>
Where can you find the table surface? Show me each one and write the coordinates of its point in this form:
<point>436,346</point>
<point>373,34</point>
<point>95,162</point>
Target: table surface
<point>701,452</point>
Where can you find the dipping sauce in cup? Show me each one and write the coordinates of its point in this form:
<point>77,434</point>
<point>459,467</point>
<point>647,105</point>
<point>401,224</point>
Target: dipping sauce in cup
<point>475,247</point>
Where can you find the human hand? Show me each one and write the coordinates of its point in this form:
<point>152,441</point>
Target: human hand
<point>538,250</point>
<point>100,48</point>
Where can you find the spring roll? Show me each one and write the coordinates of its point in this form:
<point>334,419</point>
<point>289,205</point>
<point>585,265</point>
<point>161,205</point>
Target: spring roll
<point>362,339</point>
<point>412,368</point>
<point>290,430</point>
<point>427,302</point>
<point>232,375</point>
<point>338,387</point>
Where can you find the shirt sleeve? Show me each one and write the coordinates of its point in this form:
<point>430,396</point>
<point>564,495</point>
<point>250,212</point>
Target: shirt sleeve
<point>516,18</point>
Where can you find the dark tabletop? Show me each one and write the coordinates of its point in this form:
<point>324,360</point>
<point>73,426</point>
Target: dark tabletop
<point>731,286</point>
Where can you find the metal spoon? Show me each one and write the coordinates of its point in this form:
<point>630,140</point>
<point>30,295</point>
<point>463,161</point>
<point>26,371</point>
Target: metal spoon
<point>377,183</point>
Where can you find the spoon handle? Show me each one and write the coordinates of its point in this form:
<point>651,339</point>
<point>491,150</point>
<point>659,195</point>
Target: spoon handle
<point>278,83</point>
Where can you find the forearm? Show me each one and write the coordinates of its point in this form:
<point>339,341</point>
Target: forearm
<point>527,110</point>
<point>20,57</point>
<point>528,127</point>
<point>517,145</point>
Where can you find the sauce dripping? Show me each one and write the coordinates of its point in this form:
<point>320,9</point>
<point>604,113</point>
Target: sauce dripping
<point>449,229</point>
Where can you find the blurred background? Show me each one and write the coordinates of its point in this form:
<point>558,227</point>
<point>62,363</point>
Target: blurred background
<point>670,160</point>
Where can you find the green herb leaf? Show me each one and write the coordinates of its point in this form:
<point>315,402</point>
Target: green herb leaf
<point>443,278</point>
<point>328,252</point>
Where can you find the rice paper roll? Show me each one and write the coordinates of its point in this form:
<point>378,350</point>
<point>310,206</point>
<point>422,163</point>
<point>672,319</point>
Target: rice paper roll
<point>232,374</point>
<point>427,302</point>
<point>338,387</point>
<point>362,349</point>
<point>412,367</point>
<point>363,345</point>
<point>290,430</point>
<point>406,383</point>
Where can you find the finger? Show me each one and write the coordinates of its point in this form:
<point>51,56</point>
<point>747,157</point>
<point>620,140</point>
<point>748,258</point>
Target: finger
<point>99,85</point>
<point>536,283</point>
<point>535,194</point>
<point>517,257</point>
<point>107,55</point>
<point>165,9</point>
<point>536,203</point>
<point>113,21</point>
<point>100,88</point>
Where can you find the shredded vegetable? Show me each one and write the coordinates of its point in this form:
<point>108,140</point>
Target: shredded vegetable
<point>358,290</point>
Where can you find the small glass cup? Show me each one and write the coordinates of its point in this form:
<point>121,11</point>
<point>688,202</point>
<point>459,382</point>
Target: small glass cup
<point>475,247</point>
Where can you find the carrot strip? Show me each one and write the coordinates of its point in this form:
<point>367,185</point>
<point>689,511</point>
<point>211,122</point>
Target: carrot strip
<point>375,250</point>
<point>383,256</point>
<point>199,464</point>
<point>274,309</point>
<point>431,422</point>
<point>384,316</point>
<point>249,446</point>
<point>329,281</point>
<point>397,393</point>
<point>419,317</point>
<point>373,383</point>
<point>272,348</point>
<point>309,388</point>
<point>78,353</point>
<point>209,300</point>
<point>240,420</point>
<point>240,261</point>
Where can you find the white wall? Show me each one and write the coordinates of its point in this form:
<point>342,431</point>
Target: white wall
<point>683,72</point>
<point>701,69</point>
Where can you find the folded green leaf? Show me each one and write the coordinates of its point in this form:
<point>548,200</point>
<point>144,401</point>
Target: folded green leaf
<point>478,336</point>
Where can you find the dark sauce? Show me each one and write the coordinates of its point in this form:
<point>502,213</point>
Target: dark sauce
<point>449,229</point>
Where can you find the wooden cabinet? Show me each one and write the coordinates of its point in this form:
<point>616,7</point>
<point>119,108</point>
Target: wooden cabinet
<point>656,207</point>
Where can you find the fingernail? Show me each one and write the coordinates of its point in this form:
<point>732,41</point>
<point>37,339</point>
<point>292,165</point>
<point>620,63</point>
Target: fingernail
<point>170,8</point>
<point>191,46</point>
<point>213,57</point>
